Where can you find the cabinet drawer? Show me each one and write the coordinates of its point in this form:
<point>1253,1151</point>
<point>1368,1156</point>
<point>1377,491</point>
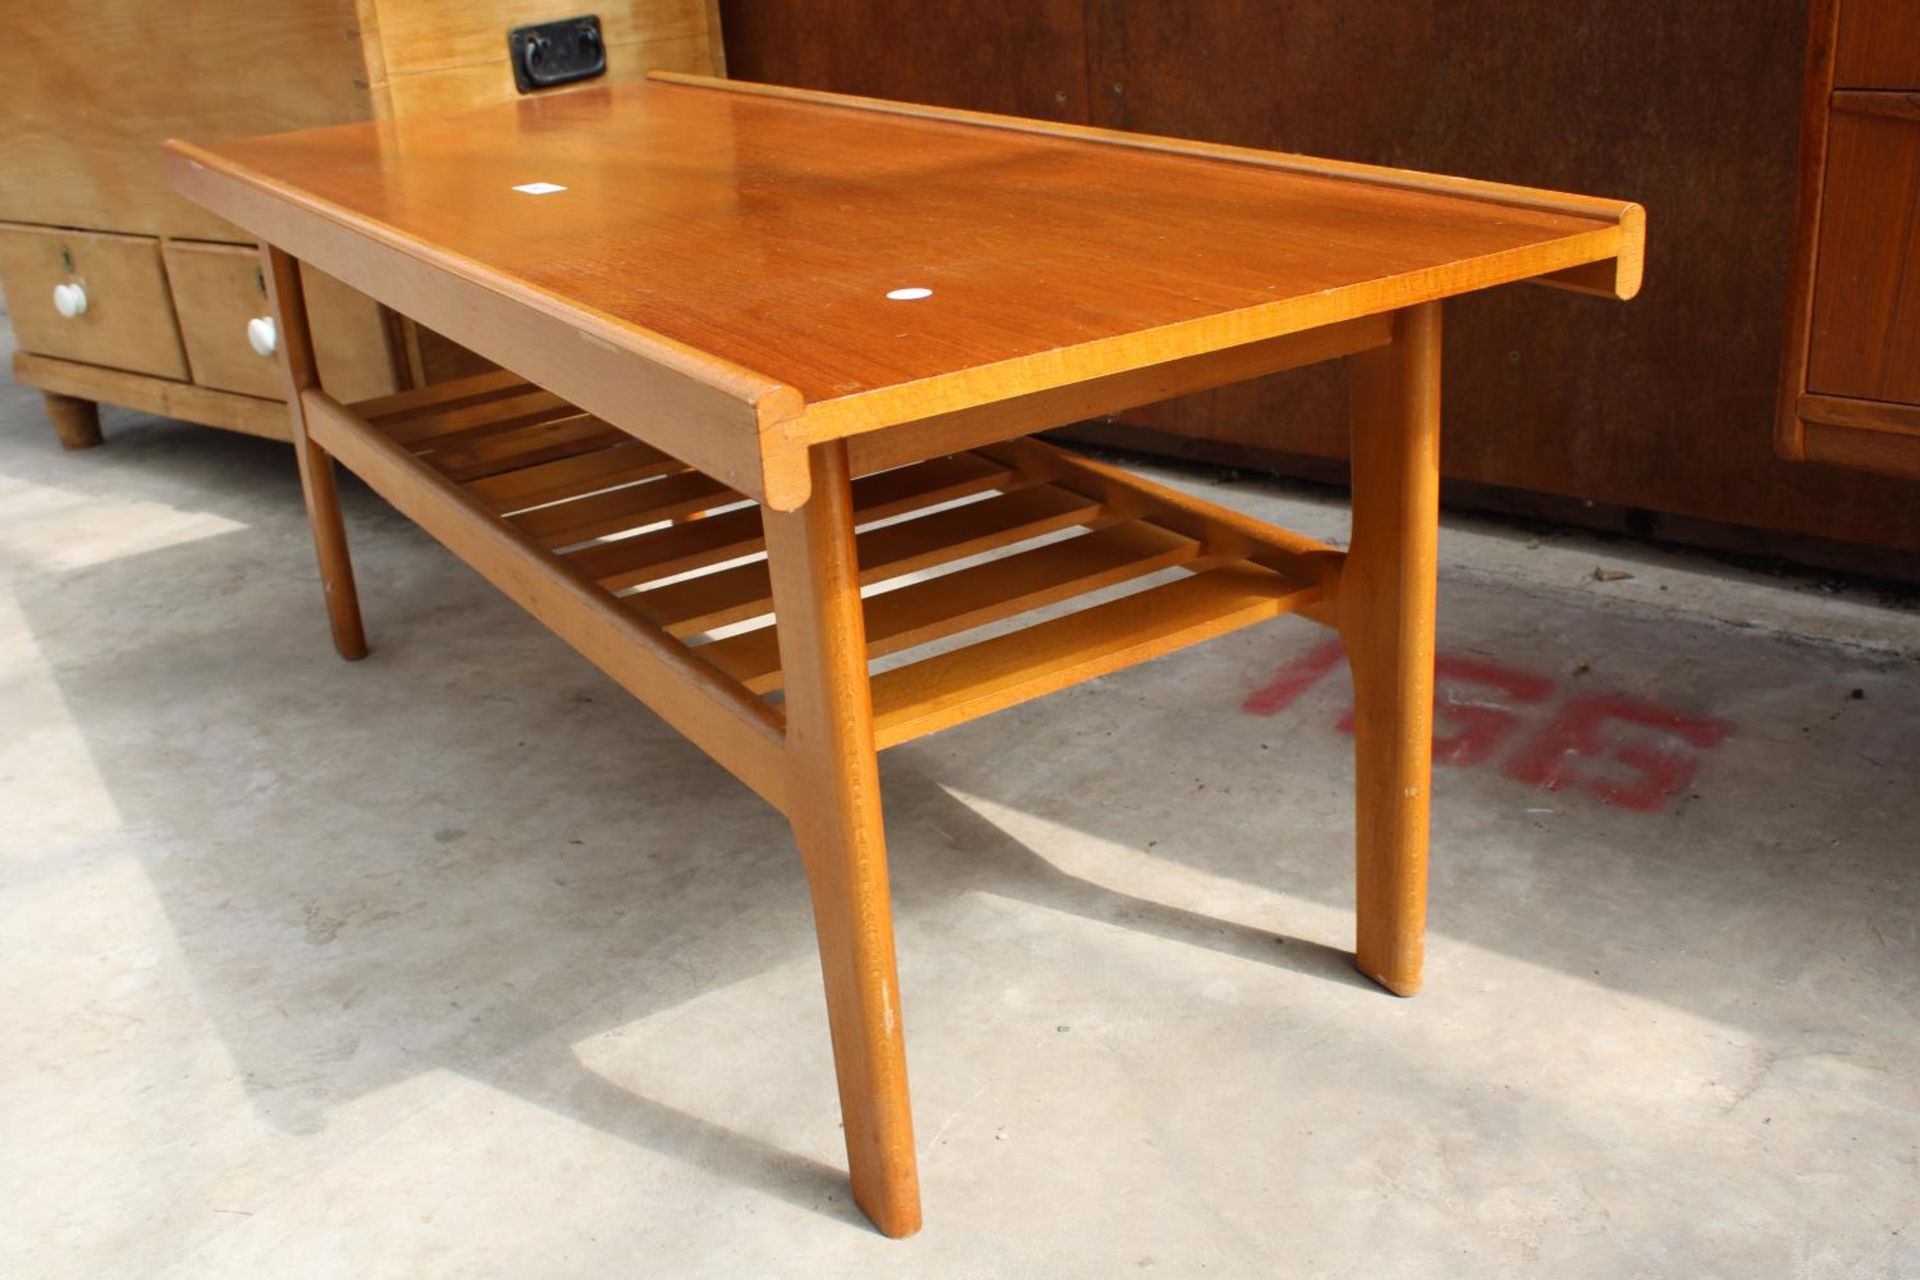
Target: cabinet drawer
<point>218,291</point>
<point>127,321</point>
<point>1865,341</point>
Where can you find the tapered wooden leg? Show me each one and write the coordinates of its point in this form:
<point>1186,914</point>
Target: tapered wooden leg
<point>1386,618</point>
<point>836,820</point>
<point>75,421</point>
<point>317,483</point>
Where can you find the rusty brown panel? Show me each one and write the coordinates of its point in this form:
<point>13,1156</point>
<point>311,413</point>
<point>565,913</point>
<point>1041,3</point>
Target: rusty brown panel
<point>1665,403</point>
<point>1021,57</point>
<point>1878,45</point>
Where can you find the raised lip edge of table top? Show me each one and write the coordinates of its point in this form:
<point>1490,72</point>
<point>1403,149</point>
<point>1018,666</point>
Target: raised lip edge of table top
<point>782,412</point>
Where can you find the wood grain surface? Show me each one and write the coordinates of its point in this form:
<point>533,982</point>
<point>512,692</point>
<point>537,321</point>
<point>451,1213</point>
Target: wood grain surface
<point>1659,413</point>
<point>1878,45</point>
<point>1866,295</point>
<point>442,55</point>
<point>128,322</point>
<point>93,87</point>
<point>766,234</point>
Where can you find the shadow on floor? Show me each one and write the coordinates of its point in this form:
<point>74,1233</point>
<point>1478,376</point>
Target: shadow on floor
<point>470,851</point>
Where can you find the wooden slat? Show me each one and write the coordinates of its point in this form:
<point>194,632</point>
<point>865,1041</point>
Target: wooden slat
<point>722,719</point>
<point>1224,531</point>
<point>680,549</point>
<point>928,484</point>
<point>574,477</point>
<point>480,417</point>
<point>933,694</point>
<point>934,608</point>
<point>525,447</point>
<point>633,507</point>
<point>742,592</point>
<point>417,400</point>
<point>650,557</point>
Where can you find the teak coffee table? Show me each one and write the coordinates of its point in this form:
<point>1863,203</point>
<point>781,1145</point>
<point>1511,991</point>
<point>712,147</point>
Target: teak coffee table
<point>739,326</point>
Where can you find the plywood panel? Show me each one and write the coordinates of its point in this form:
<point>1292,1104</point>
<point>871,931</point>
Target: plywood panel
<point>444,55</point>
<point>91,88</point>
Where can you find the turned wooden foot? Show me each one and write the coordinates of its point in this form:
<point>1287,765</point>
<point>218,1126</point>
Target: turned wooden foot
<point>76,421</point>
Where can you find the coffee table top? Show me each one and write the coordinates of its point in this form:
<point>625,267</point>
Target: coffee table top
<point>887,261</point>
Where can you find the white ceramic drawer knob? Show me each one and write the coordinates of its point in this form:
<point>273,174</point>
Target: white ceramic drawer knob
<point>263,335</point>
<point>70,300</point>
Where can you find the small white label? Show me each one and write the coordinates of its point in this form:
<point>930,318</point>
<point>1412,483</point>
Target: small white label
<point>539,188</point>
<point>909,295</point>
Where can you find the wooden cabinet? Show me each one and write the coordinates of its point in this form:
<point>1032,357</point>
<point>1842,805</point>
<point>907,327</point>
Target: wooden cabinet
<point>169,287</point>
<point>1850,392</point>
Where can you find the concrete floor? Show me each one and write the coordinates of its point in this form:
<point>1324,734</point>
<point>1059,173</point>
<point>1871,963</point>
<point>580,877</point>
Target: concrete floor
<point>457,963</point>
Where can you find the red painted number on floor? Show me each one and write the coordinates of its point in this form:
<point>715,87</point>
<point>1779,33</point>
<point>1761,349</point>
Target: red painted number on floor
<point>1628,753</point>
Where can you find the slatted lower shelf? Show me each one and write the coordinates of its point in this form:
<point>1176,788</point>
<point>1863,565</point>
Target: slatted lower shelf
<point>945,547</point>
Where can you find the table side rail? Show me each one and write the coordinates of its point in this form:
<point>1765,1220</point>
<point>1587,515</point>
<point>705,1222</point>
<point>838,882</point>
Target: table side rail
<point>1022,415</point>
<point>741,732</point>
